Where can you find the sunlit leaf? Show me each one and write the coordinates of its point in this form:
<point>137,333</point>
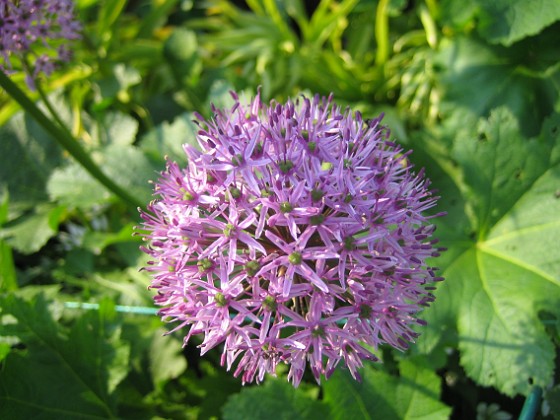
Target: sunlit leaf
<point>507,21</point>
<point>508,271</point>
<point>167,139</point>
<point>166,358</point>
<point>118,128</point>
<point>75,187</point>
<point>126,165</point>
<point>476,78</point>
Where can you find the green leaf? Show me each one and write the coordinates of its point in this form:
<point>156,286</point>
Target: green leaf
<point>75,187</point>
<point>32,231</point>
<point>507,21</point>
<point>552,398</point>
<point>96,241</point>
<point>182,53</point>
<point>208,387</point>
<point>8,280</point>
<point>167,139</point>
<point>130,168</point>
<point>118,83</point>
<point>276,397</point>
<point>499,167</point>
<point>166,358</point>
<point>157,17</point>
<point>109,13</point>
<point>4,350</point>
<point>61,373</point>
<point>501,278</point>
<point>4,201</point>
<point>458,13</point>
<point>127,166</point>
<point>27,157</point>
<point>476,78</point>
<point>412,395</point>
<point>118,128</point>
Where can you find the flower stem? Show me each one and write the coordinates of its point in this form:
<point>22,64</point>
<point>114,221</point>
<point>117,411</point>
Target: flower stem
<point>429,26</point>
<point>64,138</point>
<point>382,32</point>
<point>54,115</point>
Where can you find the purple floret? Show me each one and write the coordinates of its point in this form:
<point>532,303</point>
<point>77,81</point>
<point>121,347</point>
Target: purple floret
<point>27,29</point>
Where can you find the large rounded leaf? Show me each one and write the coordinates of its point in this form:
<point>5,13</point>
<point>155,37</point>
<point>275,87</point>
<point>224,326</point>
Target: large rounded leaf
<point>507,272</point>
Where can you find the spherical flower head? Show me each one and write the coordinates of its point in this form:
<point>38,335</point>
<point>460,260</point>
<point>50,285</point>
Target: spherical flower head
<point>27,30</point>
<point>297,234</point>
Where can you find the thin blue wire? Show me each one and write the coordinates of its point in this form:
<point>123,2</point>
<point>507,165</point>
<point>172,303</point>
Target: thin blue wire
<point>531,405</point>
<point>142,310</point>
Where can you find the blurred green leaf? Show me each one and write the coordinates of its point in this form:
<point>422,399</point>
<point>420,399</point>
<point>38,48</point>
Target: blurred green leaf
<point>78,368</point>
<point>552,398</point>
<point>508,21</point>
<point>30,232</point>
<point>126,165</point>
<point>458,13</point>
<point>131,169</point>
<point>166,358</point>
<point>97,241</point>
<point>79,262</point>
<point>75,187</point>
<point>414,394</point>
<point>181,50</point>
<point>275,396</point>
<point>108,14</point>
<point>156,17</point>
<point>208,386</point>
<point>115,85</point>
<point>327,21</point>
<point>4,350</point>
<point>167,139</point>
<point>117,128</point>
<point>4,201</point>
<point>509,269</point>
<point>27,157</point>
<point>8,280</point>
<point>477,78</point>
<point>126,287</point>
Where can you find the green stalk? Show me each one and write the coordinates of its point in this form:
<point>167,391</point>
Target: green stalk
<point>63,137</point>
<point>382,32</point>
<point>429,26</point>
<point>45,99</point>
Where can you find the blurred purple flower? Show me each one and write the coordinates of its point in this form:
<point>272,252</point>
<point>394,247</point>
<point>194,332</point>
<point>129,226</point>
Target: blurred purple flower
<point>298,235</point>
<point>26,29</point>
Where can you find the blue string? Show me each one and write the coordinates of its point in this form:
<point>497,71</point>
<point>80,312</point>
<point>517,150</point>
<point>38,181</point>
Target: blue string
<point>142,310</point>
<point>531,405</point>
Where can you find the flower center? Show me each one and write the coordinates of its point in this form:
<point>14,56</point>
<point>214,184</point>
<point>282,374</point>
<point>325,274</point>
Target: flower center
<point>295,258</point>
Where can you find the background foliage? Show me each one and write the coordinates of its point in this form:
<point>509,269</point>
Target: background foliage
<point>471,85</point>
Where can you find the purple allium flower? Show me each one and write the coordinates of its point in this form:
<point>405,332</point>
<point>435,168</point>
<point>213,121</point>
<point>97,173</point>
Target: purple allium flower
<point>297,235</point>
<point>27,27</point>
